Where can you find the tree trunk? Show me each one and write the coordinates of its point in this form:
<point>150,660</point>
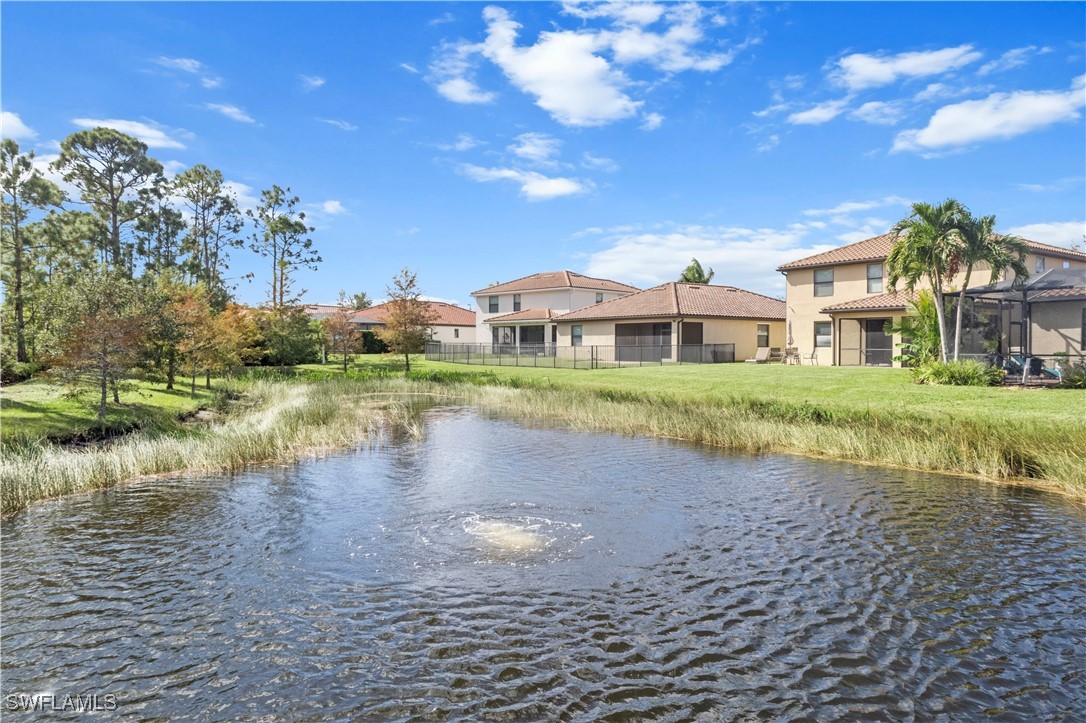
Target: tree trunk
<point>113,386</point>
<point>102,399</point>
<point>940,314</point>
<point>17,292</point>
<point>171,370</point>
<point>207,378</point>
<point>344,359</point>
<point>407,361</point>
<point>958,315</point>
<point>115,233</point>
<point>192,390</point>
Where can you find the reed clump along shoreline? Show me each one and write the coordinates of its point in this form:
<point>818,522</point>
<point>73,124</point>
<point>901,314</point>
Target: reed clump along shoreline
<point>316,413</point>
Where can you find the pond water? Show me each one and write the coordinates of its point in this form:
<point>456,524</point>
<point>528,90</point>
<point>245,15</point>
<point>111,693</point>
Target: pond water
<point>491,570</point>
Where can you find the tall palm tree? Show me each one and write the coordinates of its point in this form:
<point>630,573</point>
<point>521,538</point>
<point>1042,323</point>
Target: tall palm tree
<point>979,243</point>
<point>695,274</point>
<point>926,249</point>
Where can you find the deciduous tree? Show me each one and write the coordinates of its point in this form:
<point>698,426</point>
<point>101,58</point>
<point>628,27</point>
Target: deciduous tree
<point>407,324</point>
<point>342,333</point>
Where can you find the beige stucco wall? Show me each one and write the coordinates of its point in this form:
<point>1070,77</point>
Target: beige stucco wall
<point>849,284</point>
<point>1056,328</point>
<point>447,335</point>
<point>741,332</point>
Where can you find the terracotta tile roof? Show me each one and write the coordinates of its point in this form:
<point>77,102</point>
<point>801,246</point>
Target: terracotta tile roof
<point>446,314</point>
<point>524,315</point>
<point>555,280</point>
<point>890,301</point>
<point>877,248</point>
<point>677,299</point>
<point>1058,294</point>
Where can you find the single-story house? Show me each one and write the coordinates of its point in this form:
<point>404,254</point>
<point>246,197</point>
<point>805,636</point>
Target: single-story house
<point>453,324</point>
<point>681,322</point>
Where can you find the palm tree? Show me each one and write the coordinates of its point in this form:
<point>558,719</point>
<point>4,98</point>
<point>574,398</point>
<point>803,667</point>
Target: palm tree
<point>919,331</point>
<point>979,243</point>
<point>926,247</point>
<point>695,274</point>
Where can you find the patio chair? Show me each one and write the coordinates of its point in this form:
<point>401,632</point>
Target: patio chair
<point>812,357</point>
<point>775,353</point>
<point>791,355</point>
<point>760,357</point>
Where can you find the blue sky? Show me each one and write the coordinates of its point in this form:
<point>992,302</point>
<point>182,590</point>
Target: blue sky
<point>478,142</point>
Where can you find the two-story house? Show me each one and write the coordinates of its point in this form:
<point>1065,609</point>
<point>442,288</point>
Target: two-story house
<point>522,311</point>
<point>838,302</point>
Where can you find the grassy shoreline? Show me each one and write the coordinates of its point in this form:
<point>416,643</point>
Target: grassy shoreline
<point>291,419</point>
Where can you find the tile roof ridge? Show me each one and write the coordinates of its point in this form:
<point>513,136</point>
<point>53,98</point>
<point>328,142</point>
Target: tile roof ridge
<point>569,279</point>
<point>675,295</point>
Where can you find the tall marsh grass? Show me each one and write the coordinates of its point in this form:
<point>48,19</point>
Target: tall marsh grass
<point>291,419</point>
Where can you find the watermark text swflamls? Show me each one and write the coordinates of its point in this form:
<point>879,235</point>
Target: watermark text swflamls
<point>42,702</point>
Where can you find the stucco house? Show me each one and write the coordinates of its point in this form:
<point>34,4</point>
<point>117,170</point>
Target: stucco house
<point>838,301</point>
<point>523,311</point>
<point>452,325</point>
<point>681,322</point>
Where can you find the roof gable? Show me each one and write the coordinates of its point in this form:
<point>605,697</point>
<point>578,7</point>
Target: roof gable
<point>556,280</point>
<point>679,299</point>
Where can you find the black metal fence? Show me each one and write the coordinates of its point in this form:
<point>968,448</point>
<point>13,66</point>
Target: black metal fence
<point>579,357</point>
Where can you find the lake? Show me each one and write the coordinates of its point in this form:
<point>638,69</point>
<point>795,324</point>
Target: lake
<point>495,570</point>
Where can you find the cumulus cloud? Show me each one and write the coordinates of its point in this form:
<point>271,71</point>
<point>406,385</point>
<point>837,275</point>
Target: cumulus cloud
<point>652,121</point>
<point>150,133</point>
<point>859,71</point>
<point>537,148</point>
<point>1057,233</point>
<point>231,111</point>
<point>12,126</point>
<point>333,208</point>
<point>534,186</point>
<point>999,116</point>
<point>819,114</point>
<point>247,197</point>
<point>575,75</point>
<point>1013,58</point>
<point>341,124</point>
<point>311,82</point>
<point>463,142</point>
<point>848,207</point>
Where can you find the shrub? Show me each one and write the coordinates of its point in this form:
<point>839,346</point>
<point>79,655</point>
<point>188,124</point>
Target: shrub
<point>12,371</point>
<point>961,373</point>
<point>1072,373</point>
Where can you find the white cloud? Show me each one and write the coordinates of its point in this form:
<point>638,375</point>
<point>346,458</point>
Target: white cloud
<point>311,82</point>
<point>341,124</point>
<point>652,121</point>
<point>848,207</point>
<point>533,186</point>
<point>230,111</point>
<point>333,208</point>
<point>445,17</point>
<point>12,126</point>
<point>463,142</point>
<point>210,82</point>
<point>671,50</point>
<point>1059,233</point>
<point>860,70</point>
<point>172,168</point>
<point>743,257</point>
<point>1061,184</point>
<point>409,68</point>
<point>769,143</point>
<point>536,147</point>
<point>1012,59</point>
<point>563,72</point>
<point>408,231</point>
<point>999,116</point>
<point>452,74</point>
<point>819,114</point>
<point>639,13</point>
<point>187,65</point>
<point>878,112</point>
<point>150,133</point>
<point>598,163</point>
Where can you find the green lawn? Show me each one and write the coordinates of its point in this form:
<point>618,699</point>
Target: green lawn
<point>38,408</point>
<point>861,388</point>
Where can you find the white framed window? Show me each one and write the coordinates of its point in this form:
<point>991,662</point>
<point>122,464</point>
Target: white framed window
<point>599,297</point>
<point>456,333</point>
<point>823,331</point>
<point>1040,264</point>
<point>576,335</point>
<point>516,302</point>
<point>492,304</point>
<point>823,282</point>
<point>874,278</point>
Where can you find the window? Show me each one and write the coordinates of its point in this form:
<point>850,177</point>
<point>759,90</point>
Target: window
<point>576,334</point>
<point>1040,264</point>
<point>456,333</point>
<point>763,335</point>
<point>823,330</point>
<point>493,304</point>
<point>516,302</point>
<point>1066,264</point>
<point>823,279</point>
<point>599,297</point>
<point>874,278</point>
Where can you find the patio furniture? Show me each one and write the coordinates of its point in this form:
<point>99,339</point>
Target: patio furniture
<point>774,353</point>
<point>812,357</point>
<point>760,357</point>
<point>791,355</point>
